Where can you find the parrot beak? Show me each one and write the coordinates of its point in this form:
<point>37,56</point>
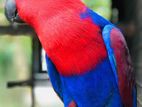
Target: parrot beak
<point>11,11</point>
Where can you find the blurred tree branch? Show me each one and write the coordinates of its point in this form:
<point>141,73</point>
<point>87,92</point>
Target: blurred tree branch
<point>16,30</point>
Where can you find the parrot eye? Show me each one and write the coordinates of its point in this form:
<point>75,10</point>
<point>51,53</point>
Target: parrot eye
<point>11,11</point>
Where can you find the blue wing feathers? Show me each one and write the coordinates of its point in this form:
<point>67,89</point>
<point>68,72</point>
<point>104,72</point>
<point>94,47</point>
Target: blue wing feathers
<point>97,19</point>
<point>96,88</point>
<point>106,36</point>
<point>83,88</point>
<point>111,41</point>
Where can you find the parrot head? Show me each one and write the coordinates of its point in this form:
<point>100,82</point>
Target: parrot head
<point>11,12</point>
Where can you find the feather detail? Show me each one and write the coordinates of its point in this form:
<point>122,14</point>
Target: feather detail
<point>72,104</point>
<point>74,46</point>
<point>120,62</point>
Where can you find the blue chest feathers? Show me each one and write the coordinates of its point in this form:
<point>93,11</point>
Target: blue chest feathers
<point>94,89</point>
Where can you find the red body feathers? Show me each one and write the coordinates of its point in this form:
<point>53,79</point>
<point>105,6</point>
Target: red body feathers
<point>73,44</point>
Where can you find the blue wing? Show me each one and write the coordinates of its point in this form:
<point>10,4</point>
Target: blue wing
<point>121,64</point>
<point>106,36</point>
<point>97,19</point>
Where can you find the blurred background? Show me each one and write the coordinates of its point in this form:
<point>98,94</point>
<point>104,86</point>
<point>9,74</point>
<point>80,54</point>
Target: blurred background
<point>23,80</point>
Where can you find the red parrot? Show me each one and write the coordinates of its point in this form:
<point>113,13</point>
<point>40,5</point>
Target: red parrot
<point>88,60</point>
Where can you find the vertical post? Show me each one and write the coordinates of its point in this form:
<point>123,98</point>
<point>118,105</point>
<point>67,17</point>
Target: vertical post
<point>137,50</point>
<point>36,64</point>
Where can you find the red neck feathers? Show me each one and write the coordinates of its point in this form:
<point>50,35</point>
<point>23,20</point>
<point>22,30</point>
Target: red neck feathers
<point>73,44</point>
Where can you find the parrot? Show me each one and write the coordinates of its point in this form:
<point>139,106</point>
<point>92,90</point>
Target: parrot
<point>87,57</point>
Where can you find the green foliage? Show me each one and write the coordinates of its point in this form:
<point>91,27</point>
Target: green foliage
<point>3,20</point>
<point>102,7</point>
<point>8,48</point>
<point>15,64</point>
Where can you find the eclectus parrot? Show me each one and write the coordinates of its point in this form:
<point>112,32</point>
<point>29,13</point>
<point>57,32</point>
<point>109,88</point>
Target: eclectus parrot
<point>88,60</point>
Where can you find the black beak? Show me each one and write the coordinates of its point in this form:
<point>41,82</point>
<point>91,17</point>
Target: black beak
<point>11,12</point>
